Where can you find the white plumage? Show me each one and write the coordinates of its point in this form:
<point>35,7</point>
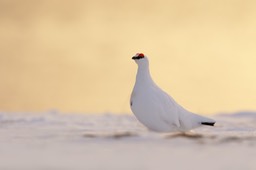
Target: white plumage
<point>155,108</point>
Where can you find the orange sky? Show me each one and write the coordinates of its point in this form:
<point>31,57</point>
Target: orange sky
<point>75,56</point>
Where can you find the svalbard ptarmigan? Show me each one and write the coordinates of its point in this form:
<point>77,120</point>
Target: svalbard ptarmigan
<point>155,108</point>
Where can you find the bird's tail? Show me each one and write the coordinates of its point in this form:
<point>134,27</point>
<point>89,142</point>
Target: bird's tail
<point>208,123</point>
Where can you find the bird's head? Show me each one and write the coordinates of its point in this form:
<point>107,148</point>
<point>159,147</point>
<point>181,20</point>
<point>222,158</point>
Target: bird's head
<point>140,59</point>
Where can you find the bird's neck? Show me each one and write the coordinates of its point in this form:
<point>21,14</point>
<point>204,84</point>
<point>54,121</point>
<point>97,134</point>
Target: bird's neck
<point>143,75</point>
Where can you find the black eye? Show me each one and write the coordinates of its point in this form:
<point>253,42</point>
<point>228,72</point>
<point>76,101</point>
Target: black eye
<point>137,57</point>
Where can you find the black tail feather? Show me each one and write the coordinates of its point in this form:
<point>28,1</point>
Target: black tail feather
<point>208,123</point>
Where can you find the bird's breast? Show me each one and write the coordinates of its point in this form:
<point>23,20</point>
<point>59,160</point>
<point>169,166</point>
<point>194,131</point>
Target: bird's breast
<point>148,107</point>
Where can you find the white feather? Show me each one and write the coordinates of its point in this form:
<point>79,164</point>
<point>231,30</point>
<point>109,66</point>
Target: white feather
<point>155,108</point>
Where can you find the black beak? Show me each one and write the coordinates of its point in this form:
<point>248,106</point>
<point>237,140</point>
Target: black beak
<point>137,57</point>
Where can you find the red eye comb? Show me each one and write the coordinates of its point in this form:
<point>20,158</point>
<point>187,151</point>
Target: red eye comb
<point>140,55</point>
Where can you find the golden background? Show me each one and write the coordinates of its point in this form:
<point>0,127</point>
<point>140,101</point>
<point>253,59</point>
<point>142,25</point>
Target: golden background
<point>75,56</point>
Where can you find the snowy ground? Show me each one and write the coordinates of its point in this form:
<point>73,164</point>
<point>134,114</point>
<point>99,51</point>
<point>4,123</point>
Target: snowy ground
<point>55,141</point>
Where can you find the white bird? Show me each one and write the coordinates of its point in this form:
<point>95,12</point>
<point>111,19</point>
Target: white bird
<point>155,109</point>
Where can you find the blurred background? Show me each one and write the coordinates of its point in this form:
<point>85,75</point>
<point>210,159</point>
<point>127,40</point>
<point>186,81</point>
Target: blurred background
<point>75,55</point>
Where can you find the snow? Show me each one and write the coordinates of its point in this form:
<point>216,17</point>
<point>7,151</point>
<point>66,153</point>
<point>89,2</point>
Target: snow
<point>56,141</point>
